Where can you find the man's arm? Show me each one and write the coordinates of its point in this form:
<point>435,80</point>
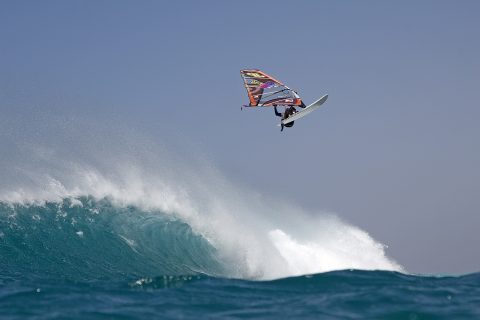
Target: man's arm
<point>278,114</point>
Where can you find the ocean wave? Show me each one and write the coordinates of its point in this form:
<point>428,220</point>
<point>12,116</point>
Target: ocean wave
<point>144,213</point>
<point>85,238</point>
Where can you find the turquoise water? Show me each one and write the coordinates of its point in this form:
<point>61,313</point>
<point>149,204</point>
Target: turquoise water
<point>90,259</point>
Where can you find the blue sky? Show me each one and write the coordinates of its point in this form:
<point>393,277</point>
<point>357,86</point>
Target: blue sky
<point>395,150</point>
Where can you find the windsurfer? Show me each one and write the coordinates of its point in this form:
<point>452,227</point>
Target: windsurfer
<point>288,112</point>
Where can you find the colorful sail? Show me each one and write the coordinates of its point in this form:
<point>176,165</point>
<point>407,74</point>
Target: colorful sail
<point>266,91</point>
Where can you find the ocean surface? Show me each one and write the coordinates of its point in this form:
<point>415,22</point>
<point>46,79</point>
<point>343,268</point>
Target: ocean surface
<point>87,257</point>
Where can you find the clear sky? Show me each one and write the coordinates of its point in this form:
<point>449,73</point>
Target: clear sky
<point>395,150</point>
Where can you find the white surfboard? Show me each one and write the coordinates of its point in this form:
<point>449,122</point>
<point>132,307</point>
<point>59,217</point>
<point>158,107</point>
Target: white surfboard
<point>314,106</point>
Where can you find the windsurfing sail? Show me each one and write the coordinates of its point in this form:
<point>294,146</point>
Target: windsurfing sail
<point>266,91</point>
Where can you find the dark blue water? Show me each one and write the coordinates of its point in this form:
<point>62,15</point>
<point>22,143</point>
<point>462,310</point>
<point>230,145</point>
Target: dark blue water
<point>100,261</point>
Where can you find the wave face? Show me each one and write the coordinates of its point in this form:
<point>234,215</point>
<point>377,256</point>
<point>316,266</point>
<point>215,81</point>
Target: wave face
<point>85,239</point>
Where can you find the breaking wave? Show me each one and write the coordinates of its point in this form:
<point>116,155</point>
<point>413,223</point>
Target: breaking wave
<point>81,223</point>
